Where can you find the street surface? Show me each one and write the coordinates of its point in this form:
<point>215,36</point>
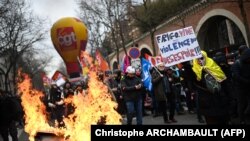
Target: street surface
<point>186,119</point>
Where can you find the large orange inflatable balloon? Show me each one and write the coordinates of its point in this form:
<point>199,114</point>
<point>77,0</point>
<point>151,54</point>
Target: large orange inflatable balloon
<point>69,36</point>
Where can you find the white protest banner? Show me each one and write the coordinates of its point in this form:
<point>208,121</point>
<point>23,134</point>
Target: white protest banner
<point>178,46</point>
<point>136,63</point>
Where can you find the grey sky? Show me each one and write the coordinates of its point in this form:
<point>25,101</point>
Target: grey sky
<point>53,10</point>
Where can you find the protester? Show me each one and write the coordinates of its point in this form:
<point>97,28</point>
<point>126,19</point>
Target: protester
<point>56,104</point>
<point>171,97</point>
<point>142,92</point>
<point>210,84</point>
<point>241,75</point>
<point>68,91</point>
<point>187,83</point>
<point>131,85</point>
<point>177,89</point>
<point>162,91</point>
<point>79,89</point>
<point>10,110</point>
<point>221,59</point>
<point>189,88</point>
<point>114,83</point>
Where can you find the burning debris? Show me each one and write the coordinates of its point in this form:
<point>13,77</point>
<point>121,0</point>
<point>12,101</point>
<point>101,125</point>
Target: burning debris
<point>93,107</point>
<point>46,136</point>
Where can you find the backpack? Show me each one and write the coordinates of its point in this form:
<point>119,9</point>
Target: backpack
<point>212,84</point>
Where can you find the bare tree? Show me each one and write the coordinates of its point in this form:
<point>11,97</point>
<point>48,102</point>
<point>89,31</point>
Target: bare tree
<point>19,31</point>
<point>146,21</point>
<point>33,63</point>
<point>107,15</point>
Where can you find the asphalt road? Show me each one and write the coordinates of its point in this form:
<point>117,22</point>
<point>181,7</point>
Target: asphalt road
<point>186,119</point>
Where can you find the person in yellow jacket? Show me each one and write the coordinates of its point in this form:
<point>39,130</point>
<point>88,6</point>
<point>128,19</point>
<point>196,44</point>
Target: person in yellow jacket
<point>210,82</point>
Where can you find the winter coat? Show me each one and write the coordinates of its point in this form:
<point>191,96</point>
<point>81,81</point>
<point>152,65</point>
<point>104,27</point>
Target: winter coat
<point>130,93</point>
<point>241,71</point>
<point>161,86</point>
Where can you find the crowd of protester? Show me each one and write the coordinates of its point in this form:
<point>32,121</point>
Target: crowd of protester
<point>54,100</point>
<point>210,87</point>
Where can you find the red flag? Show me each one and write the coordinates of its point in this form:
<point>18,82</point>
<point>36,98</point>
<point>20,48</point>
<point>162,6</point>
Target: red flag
<point>126,63</point>
<point>59,78</point>
<point>153,60</point>
<point>58,75</point>
<point>101,62</point>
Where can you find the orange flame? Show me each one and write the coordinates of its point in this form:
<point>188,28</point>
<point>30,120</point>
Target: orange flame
<point>92,107</point>
<point>35,115</point>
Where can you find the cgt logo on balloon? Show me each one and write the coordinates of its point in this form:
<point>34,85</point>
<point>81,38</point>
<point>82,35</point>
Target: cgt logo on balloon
<point>66,38</point>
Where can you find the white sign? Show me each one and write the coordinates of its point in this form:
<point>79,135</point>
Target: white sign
<point>178,46</point>
<point>136,63</point>
<point>60,82</point>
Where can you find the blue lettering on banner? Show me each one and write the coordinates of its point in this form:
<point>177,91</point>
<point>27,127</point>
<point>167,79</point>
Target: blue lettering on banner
<point>167,37</point>
<point>177,45</point>
<point>174,35</point>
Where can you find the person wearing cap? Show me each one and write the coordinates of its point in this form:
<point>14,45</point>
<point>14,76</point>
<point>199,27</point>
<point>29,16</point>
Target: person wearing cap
<point>131,87</point>
<point>163,92</point>
<point>213,103</point>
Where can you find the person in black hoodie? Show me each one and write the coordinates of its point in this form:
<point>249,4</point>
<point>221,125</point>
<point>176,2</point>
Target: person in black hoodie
<point>131,87</point>
<point>241,76</point>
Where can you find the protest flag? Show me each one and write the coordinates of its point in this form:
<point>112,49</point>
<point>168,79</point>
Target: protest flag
<point>126,63</point>
<point>146,77</point>
<point>101,61</point>
<point>153,60</point>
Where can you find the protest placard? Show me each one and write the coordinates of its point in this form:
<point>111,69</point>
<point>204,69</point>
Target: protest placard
<point>178,46</point>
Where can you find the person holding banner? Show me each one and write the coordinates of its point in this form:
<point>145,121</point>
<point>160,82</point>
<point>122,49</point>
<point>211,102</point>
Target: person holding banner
<point>163,92</point>
<point>210,84</point>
